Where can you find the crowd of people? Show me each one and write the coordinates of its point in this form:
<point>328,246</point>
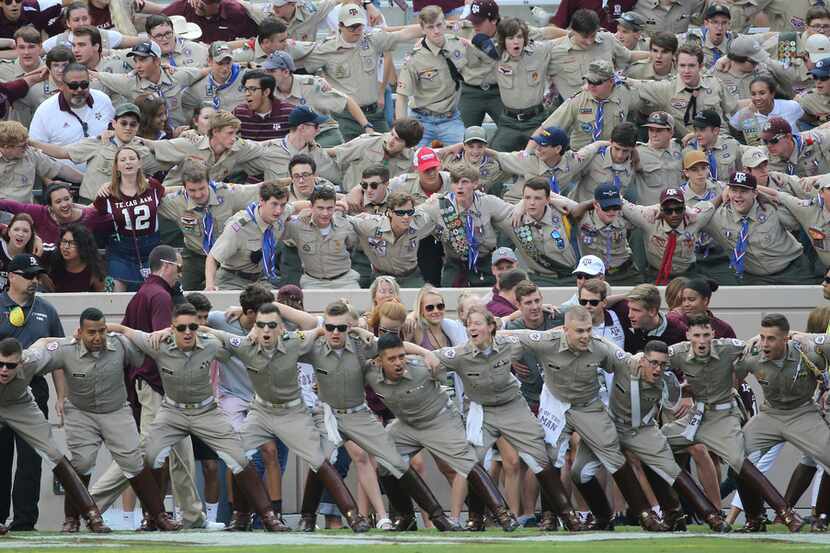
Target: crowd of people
<point>202,145</point>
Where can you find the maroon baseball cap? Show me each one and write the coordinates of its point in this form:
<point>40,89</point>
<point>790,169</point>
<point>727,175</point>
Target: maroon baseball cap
<point>776,126</point>
<point>743,180</point>
<point>672,194</point>
<point>481,10</point>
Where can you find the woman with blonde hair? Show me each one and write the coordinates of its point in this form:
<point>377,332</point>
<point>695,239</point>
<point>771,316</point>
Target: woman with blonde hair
<point>132,200</point>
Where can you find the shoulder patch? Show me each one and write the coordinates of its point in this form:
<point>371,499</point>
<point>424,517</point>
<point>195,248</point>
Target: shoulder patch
<point>449,353</point>
<point>236,341</point>
<point>620,354</point>
<point>739,343</point>
<point>819,340</point>
<point>52,346</point>
<point>536,336</point>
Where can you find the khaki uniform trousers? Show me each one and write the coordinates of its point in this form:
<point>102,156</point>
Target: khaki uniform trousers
<point>107,489</point>
<point>193,271</point>
<point>444,436</point>
<point>803,427</point>
<point>720,431</point>
<point>210,424</point>
<point>294,425</point>
<point>350,281</point>
<point>233,280</point>
<point>364,429</point>
<point>515,422</point>
<point>85,432</point>
<point>597,431</point>
<point>648,443</point>
<point>27,420</point>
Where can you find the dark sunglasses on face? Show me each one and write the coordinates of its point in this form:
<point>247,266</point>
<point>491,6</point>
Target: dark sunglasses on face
<point>373,185</point>
<point>269,324</point>
<point>8,364</point>
<point>432,307</point>
<point>592,303</point>
<point>27,276</point>
<point>404,212</point>
<point>395,331</point>
<point>582,276</point>
<point>192,327</point>
<point>774,140</point>
<point>10,2</point>
<point>827,280</point>
<point>822,79</point>
<point>338,328</point>
<point>613,208</point>
<point>593,83</point>
<point>673,210</point>
<point>129,124</point>
<point>75,85</point>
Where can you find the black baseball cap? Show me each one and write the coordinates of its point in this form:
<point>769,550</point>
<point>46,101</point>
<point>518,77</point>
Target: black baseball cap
<point>705,119</point>
<point>25,264</point>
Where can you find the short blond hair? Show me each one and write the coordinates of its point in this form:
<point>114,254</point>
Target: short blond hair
<point>429,15</point>
<point>12,133</point>
<point>646,294</point>
<point>465,172</point>
<point>222,119</point>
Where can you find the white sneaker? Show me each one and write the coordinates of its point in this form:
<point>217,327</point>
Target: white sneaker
<point>385,524</point>
<point>213,526</point>
<point>211,510</point>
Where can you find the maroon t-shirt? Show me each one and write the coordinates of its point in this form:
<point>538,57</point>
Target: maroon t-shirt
<point>150,309</point>
<point>101,17</point>
<point>607,16</point>
<point>445,5</point>
<point>231,23</point>
<point>43,17</point>
<point>258,128</point>
<point>135,214</point>
<point>721,328</point>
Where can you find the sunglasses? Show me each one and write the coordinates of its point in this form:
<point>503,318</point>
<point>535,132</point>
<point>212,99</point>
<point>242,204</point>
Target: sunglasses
<point>404,212</point>
<point>821,79</point>
<point>433,306</point>
<point>75,85</point>
<point>395,331</point>
<point>27,276</point>
<point>582,276</point>
<point>592,303</point>
<point>10,2</point>
<point>373,185</point>
<point>128,124</point>
<point>338,328</point>
<point>8,364</point>
<point>192,327</point>
<point>827,280</point>
<point>593,82</point>
<point>269,324</point>
<point>673,210</point>
<point>774,140</point>
<point>613,208</point>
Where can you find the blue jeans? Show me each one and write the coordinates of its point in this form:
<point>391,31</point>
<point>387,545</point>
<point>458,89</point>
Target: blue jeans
<point>447,130</point>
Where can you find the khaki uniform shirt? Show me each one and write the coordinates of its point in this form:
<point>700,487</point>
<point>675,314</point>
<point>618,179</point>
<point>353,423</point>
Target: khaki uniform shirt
<point>674,18</point>
<point>737,84</point>
<point>571,375</point>
<point>577,116</point>
<point>710,378</point>
<point>425,76</point>
<point>743,11</point>
<point>416,398</point>
<point>788,15</point>
<point>486,376</point>
<point>713,189</point>
<point>390,254</point>
<point>316,93</point>
<point>273,373</point>
<point>170,88</point>
<point>659,169</point>
<point>523,82</point>
<point>816,107</point>
<point>609,242</point>
<point>224,200</point>
<point>226,96</point>
<point>352,68</point>
<point>99,160</point>
<point>771,247</point>
<point>814,219</point>
<point>711,52</point>
<point>410,183</point>
<point>254,158</point>
<point>599,168</point>
<point>644,70</point>
<point>19,175</point>
<point>241,237</point>
<point>800,187</point>
<point>252,55</point>
<point>94,381</point>
<point>526,165</point>
<point>356,155</point>
<point>340,376</point>
<point>620,400</point>
<point>787,383</point>
<point>671,96</point>
<point>656,232</point>
<point>727,153</point>
<point>486,210</point>
<point>187,53</point>
<point>810,157</point>
<point>323,256</point>
<point>16,391</point>
<point>544,245</point>
<point>569,62</point>
<point>489,169</point>
<point>308,17</point>
<point>185,375</point>
<point>280,151</point>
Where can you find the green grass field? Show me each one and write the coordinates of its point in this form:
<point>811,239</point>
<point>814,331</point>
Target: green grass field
<point>492,541</point>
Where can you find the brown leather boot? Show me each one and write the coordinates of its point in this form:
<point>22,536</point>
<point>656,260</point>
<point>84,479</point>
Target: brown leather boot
<point>755,478</point>
<point>632,492</point>
<point>252,487</point>
<point>3,530</point>
<point>79,496</point>
<point>331,479</point>
<point>404,518</point>
<point>685,484</point>
<point>71,517</point>
<point>594,496</point>
<point>820,520</point>
<point>753,504</point>
<point>673,516</point>
<point>800,481</point>
<point>241,520</point>
<point>483,486</point>
<point>311,501</point>
<point>475,513</point>
<point>146,489</point>
<point>550,482</point>
<point>549,522</point>
<point>412,483</point>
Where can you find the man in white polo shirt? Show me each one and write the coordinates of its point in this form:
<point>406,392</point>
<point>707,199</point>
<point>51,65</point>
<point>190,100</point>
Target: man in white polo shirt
<point>77,112</point>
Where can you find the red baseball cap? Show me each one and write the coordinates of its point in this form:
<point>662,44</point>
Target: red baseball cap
<point>426,159</point>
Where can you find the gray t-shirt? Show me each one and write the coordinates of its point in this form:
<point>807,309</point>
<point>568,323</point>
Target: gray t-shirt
<point>233,378</point>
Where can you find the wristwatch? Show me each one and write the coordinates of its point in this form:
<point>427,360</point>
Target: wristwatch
<point>369,125</point>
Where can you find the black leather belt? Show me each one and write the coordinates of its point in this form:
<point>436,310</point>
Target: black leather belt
<point>430,113</point>
<point>369,108</point>
<point>483,86</point>
<point>524,114</point>
<point>378,272</point>
<point>344,273</point>
<point>247,276</point>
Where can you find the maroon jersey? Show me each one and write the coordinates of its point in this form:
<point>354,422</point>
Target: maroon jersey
<point>101,17</point>
<point>134,215</point>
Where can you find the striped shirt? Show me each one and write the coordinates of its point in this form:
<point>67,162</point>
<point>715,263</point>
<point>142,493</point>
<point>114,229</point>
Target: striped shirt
<point>258,127</point>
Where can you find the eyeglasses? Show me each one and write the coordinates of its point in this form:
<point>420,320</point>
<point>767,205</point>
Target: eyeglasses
<point>162,36</point>
<point>592,303</point>
<point>251,89</point>
<point>269,324</point>
<point>192,327</point>
<point>8,364</point>
<point>69,243</point>
<point>128,124</point>
<point>395,331</point>
<point>75,85</point>
<point>338,328</point>
<point>373,185</point>
<point>433,306</point>
<point>673,210</point>
<point>819,26</point>
<point>655,363</point>
<point>355,28</point>
<point>301,176</point>
<point>404,212</point>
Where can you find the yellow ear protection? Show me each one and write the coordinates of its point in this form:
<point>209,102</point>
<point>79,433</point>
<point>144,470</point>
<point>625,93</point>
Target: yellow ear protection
<point>17,317</point>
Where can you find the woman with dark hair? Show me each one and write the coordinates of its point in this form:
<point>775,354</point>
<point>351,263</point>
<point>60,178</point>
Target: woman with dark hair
<point>695,297</point>
<point>17,237</point>
<point>153,124</point>
<point>77,267</point>
<point>200,122</point>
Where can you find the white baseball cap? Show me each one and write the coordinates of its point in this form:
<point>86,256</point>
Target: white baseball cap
<point>818,46</point>
<point>590,265</point>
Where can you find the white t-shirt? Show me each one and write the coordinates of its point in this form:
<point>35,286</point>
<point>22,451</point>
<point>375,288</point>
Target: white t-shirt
<point>110,41</point>
<point>745,120</point>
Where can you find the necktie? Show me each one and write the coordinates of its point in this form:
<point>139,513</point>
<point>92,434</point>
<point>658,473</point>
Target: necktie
<point>713,165</point>
<point>608,235</point>
<point>472,243</point>
<point>739,253</point>
<point>691,107</point>
<point>207,235</point>
<point>668,255</point>
<point>617,182</point>
<point>269,246</point>
<point>554,184</point>
<point>600,118</point>
<point>454,73</point>
<point>715,56</point>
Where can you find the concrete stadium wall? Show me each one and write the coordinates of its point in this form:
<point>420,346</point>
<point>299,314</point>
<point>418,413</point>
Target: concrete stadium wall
<point>740,306</point>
